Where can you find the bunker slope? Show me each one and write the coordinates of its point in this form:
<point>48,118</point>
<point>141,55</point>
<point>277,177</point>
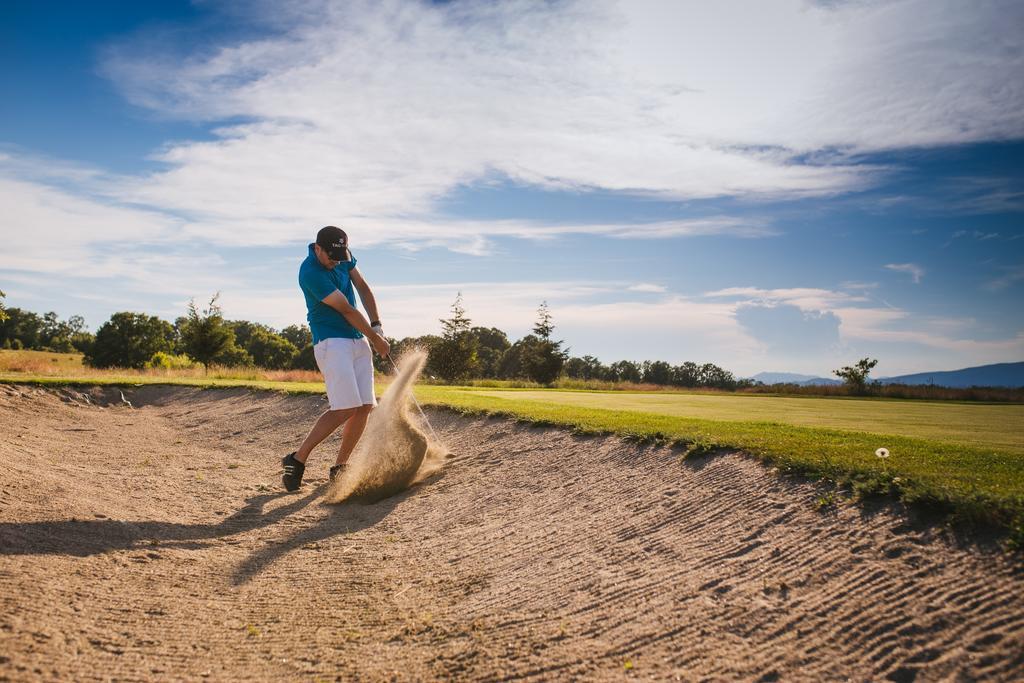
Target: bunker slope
<point>155,542</point>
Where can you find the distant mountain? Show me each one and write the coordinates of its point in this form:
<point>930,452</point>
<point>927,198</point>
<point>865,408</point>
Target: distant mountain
<point>996,375</point>
<point>792,378</point>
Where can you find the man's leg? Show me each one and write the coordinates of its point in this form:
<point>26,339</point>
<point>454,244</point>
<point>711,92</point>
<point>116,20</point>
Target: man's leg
<point>324,427</point>
<point>353,430</point>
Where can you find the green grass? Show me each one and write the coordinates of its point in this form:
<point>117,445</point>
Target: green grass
<point>971,424</point>
<point>964,458</point>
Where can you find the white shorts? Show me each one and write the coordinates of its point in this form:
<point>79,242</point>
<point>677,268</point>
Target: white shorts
<point>347,367</point>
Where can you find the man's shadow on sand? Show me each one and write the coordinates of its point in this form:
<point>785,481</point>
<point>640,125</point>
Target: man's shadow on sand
<point>82,538</point>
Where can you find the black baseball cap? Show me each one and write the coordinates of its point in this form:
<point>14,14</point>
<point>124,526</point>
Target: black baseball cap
<point>334,241</point>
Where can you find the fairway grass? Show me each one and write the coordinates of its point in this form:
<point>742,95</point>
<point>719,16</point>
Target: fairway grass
<point>966,459</point>
<point>969,424</point>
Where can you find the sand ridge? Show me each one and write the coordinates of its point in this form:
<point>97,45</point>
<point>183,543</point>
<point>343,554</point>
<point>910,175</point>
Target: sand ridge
<point>155,542</point>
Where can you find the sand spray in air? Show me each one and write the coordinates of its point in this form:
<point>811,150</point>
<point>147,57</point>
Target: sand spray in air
<point>394,452</point>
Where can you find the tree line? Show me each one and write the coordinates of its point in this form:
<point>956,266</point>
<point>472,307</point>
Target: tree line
<point>138,340</point>
<point>461,352</point>
<point>21,329</point>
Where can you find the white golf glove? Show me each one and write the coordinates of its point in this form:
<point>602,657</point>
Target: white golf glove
<point>378,328</point>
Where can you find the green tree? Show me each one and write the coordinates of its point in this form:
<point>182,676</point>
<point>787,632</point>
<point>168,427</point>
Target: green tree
<point>3,309</point>
<point>21,329</point>
<point>587,367</point>
<point>269,350</point>
<point>232,356</point>
<point>302,338</point>
<point>129,340</point>
<point>513,361</point>
<point>266,347</point>
<point>454,359</point>
<point>543,327</point>
<point>539,359</point>
<point>56,334</point>
<point>543,358</point>
<point>245,330</point>
<point>657,372</point>
<point>856,376</point>
<point>686,375</point>
<point>205,335</point>
<point>714,377</point>
<point>306,360</point>
<point>299,335</point>
<point>625,371</point>
<point>492,344</point>
<point>81,338</point>
<point>491,338</point>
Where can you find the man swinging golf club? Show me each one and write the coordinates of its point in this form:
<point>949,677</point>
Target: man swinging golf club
<point>340,335</point>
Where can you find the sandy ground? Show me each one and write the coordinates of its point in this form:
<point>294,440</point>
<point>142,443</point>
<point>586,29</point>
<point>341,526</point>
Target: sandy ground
<point>155,542</point>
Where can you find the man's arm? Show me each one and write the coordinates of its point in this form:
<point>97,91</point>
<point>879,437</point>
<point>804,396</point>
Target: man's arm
<point>365,294</point>
<point>338,302</point>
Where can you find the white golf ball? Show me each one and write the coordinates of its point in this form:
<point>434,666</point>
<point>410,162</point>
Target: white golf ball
<point>882,452</point>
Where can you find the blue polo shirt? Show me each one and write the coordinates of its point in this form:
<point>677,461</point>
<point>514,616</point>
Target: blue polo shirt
<point>316,283</point>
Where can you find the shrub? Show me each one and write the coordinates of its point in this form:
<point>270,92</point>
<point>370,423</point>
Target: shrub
<point>162,360</point>
<point>234,357</point>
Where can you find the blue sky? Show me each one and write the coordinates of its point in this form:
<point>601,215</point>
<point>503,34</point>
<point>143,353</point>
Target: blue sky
<point>767,186</point>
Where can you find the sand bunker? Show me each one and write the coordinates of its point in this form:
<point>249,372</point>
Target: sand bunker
<point>156,543</point>
<point>394,452</point>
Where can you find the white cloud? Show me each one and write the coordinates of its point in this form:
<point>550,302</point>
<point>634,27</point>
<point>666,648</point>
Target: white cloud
<point>45,229</point>
<point>806,298</point>
<point>473,237</point>
<point>647,287</point>
<point>366,111</point>
<point>915,271</point>
<point>864,327</point>
<point>70,245</point>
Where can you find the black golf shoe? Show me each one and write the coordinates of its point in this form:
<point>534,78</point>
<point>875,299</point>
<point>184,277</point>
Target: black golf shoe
<point>293,469</point>
<point>337,471</point>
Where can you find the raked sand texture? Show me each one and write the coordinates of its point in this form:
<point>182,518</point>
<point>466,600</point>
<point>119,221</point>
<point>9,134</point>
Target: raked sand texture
<point>155,542</point>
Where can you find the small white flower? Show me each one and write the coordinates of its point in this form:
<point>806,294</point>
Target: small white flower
<point>882,452</point>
